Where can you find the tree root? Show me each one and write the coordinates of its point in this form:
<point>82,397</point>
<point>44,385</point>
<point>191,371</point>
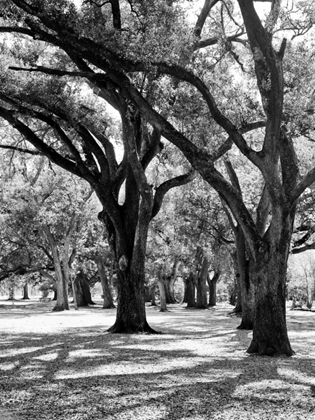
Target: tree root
<point>265,349</point>
<point>120,328</point>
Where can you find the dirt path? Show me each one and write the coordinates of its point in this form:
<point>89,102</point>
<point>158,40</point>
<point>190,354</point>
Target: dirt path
<point>65,366</point>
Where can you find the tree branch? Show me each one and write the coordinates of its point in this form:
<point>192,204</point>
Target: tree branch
<point>306,182</point>
<point>166,186</point>
<point>19,149</point>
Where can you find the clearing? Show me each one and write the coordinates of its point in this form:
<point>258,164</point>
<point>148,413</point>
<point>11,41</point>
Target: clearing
<point>65,366</point>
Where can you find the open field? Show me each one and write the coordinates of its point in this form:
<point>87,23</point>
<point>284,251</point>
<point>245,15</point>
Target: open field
<point>65,366</point>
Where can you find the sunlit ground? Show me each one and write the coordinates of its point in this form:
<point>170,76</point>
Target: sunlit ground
<point>65,366</point>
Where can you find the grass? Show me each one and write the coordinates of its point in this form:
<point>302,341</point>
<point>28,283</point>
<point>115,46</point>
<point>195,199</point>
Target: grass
<point>65,366</point>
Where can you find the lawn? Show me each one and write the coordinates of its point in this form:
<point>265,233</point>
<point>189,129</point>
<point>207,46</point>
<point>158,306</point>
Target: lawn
<point>65,366</point>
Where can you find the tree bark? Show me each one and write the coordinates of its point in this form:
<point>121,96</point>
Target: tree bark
<point>245,268</point>
<point>61,284</point>
<point>161,285</point>
<point>131,316</point>
<point>213,288</point>
<point>170,282</point>
<point>108,302</point>
<point>82,290</point>
<point>269,275</point>
<point>202,285</point>
<point>190,290</point>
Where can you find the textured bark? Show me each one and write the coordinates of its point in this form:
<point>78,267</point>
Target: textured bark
<point>161,285</point>
<point>202,285</point>
<point>131,316</point>
<point>245,267</point>
<point>168,291</point>
<point>213,288</point>
<point>62,302</point>
<point>269,276</point>
<point>238,305</point>
<point>270,332</point>
<point>191,290</point>
<point>170,282</point>
<point>108,302</point>
<point>233,294</point>
<point>82,290</point>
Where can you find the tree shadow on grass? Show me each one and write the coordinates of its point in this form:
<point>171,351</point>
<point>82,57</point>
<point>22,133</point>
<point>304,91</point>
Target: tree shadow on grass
<point>85,373</point>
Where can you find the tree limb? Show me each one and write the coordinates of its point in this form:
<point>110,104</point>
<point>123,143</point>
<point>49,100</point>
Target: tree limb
<point>167,185</point>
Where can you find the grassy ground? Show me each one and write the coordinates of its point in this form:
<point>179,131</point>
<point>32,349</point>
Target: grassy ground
<point>65,366</point>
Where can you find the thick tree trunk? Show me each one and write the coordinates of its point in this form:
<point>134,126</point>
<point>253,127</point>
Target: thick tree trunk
<point>238,304</point>
<point>108,302</point>
<point>131,315</point>
<point>82,290</point>
<point>233,293</point>
<point>25,292</point>
<point>202,285</point>
<point>190,290</point>
<point>245,269</point>
<point>168,293</point>
<point>170,282</point>
<point>270,331</point>
<point>62,302</point>
<point>213,288</point>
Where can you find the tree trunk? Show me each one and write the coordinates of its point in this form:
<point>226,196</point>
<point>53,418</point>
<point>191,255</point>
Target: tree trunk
<point>190,290</point>
<point>74,294</point>
<point>168,295</point>
<point>147,294</point>
<point>62,302</point>
<point>61,283</point>
<point>161,285</point>
<point>245,269</point>
<point>270,331</point>
<point>233,294</point>
<point>152,294</point>
<point>213,288</point>
<point>82,290</point>
<point>11,290</point>
<point>238,305</point>
<point>108,302</point>
<point>131,315</point>
<point>170,282</point>
<point>25,292</point>
<point>202,285</point>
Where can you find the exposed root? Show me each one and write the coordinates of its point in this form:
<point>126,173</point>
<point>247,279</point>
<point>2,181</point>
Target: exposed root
<point>246,325</point>
<point>120,328</point>
<point>265,349</point>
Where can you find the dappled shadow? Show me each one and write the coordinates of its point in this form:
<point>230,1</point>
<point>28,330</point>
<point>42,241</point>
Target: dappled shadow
<point>201,372</point>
